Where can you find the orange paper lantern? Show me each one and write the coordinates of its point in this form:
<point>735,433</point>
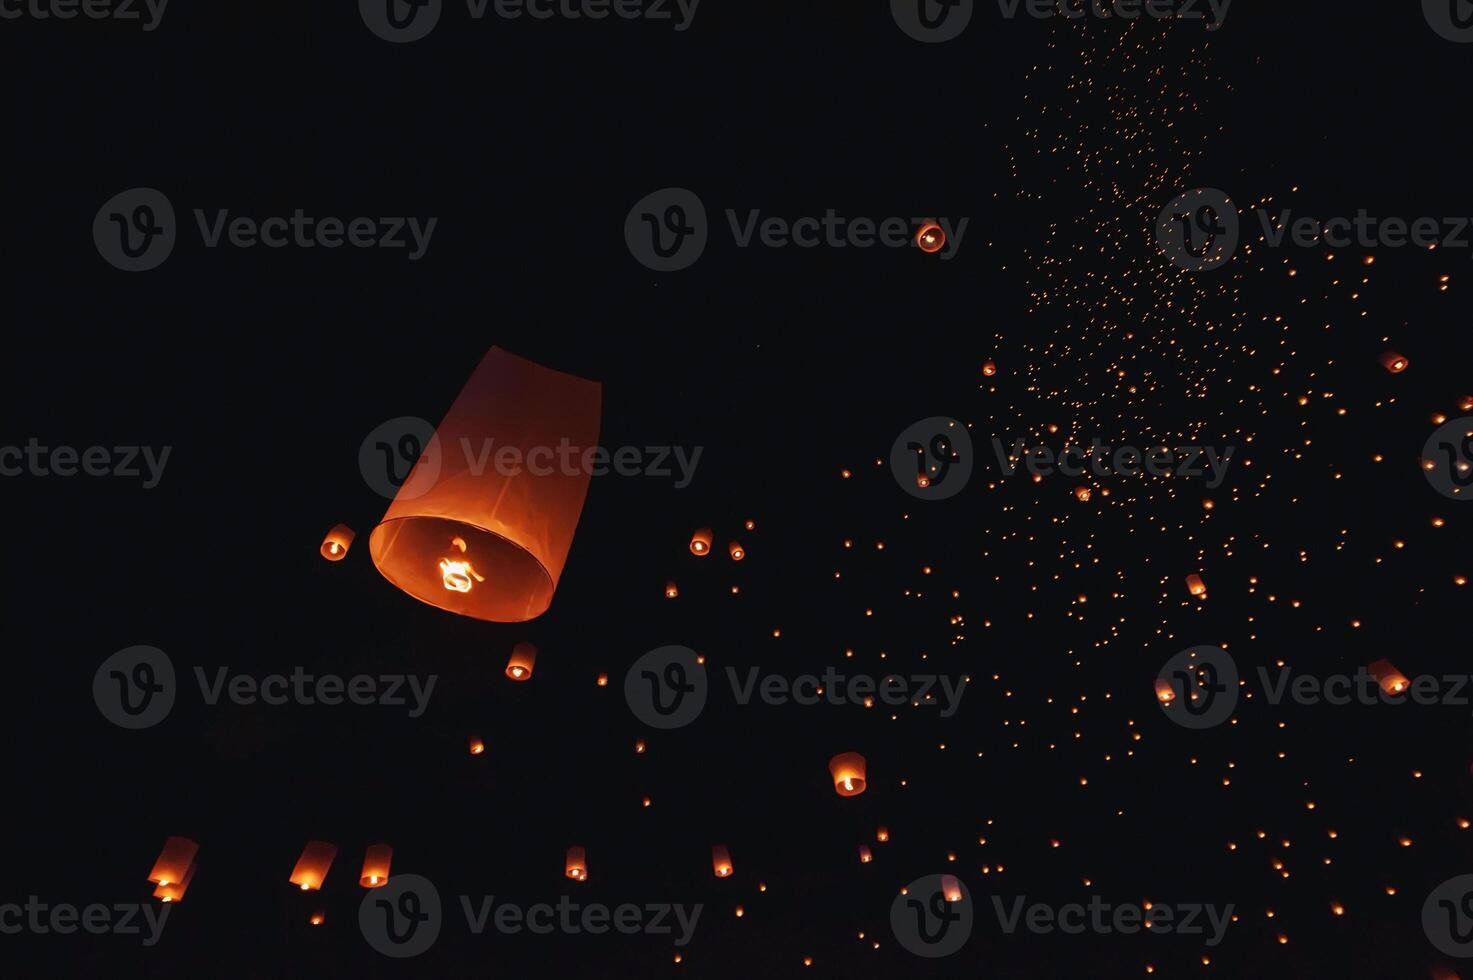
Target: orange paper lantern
<point>882,834</point>
<point>523,656</point>
<point>1392,681</point>
<point>1164,692</point>
<point>174,890</point>
<point>671,590</point>
<point>721,861</point>
<point>951,888</point>
<point>311,867</point>
<point>736,551</point>
<point>483,523</point>
<point>700,541</point>
<point>1394,362</point>
<point>576,865</point>
<point>847,768</point>
<point>1196,586</point>
<point>174,861</point>
<point>865,857</point>
<point>477,746</point>
<point>989,369</point>
<point>337,542</point>
<point>376,862</point>
<point>930,238</point>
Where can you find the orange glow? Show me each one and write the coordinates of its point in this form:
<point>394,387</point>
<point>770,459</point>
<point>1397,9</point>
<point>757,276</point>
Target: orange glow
<point>1164,693</point>
<point>671,590</point>
<point>376,862</point>
<point>721,861</point>
<point>1392,681</point>
<point>336,543</point>
<point>1394,362</point>
<point>951,888</point>
<point>1083,493</point>
<point>848,770</point>
<point>523,657</point>
<point>317,918</point>
<point>989,369</point>
<point>477,746</point>
<point>736,551</point>
<point>311,868</point>
<point>1196,586</point>
<point>174,861</point>
<point>882,834</point>
<point>576,866</point>
<point>865,857</point>
<point>930,238</point>
<point>513,521</point>
<point>700,541</point>
<point>174,890</point>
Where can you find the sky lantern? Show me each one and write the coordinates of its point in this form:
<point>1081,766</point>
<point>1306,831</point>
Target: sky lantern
<point>523,656</point>
<point>477,746</point>
<point>951,888</point>
<point>1164,692</point>
<point>1392,681</point>
<point>671,590</point>
<point>1394,362</point>
<point>700,541</point>
<point>174,890</point>
<point>721,861</point>
<point>376,862</point>
<point>848,768</point>
<point>1196,586</point>
<point>576,865</point>
<point>930,238</point>
<point>483,523</point>
<point>311,867</point>
<point>174,861</point>
<point>865,856</point>
<point>317,918</point>
<point>1083,493</point>
<point>989,368</point>
<point>736,551</point>
<point>882,834</point>
<point>337,542</point>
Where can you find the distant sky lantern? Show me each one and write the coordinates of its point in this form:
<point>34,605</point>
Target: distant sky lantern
<point>523,656</point>
<point>311,868</point>
<point>736,551</point>
<point>1083,493</point>
<point>174,890</point>
<point>483,523</point>
<point>671,590</point>
<point>865,857</point>
<point>576,865</point>
<point>1394,362</point>
<point>882,834</point>
<point>1392,681</point>
<point>848,770</point>
<point>376,862</point>
<point>174,861</point>
<point>477,746</point>
<point>989,368</point>
<point>721,861</point>
<point>700,541</point>
<point>1196,586</point>
<point>317,918</point>
<point>1164,692</point>
<point>930,238</point>
<point>951,888</point>
<point>337,542</point>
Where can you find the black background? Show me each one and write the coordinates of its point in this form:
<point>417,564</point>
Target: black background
<point>530,141</point>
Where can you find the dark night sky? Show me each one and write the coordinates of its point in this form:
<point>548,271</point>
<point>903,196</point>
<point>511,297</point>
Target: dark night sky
<point>265,370</point>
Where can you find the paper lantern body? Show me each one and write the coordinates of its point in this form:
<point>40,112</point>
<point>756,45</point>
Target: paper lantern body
<point>847,768</point>
<point>1394,362</point>
<point>882,834</point>
<point>376,861</point>
<point>576,865</point>
<point>1196,586</point>
<point>1391,680</point>
<point>700,541</point>
<point>483,523</point>
<point>174,861</point>
<point>1164,691</point>
<point>865,857</point>
<point>523,658</point>
<point>336,542</point>
<point>951,888</point>
<point>174,890</point>
<point>311,867</point>
<point>721,861</point>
